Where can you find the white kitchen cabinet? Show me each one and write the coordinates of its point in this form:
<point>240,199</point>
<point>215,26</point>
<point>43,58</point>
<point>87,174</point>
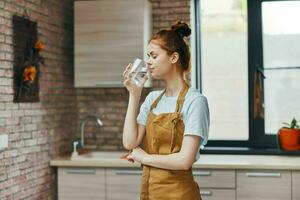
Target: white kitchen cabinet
<point>263,185</point>
<point>81,183</point>
<point>210,178</point>
<point>123,184</point>
<point>109,35</point>
<point>217,194</point>
<point>216,184</point>
<point>296,185</point>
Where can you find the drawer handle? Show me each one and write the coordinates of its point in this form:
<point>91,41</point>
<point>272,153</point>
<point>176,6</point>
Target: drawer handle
<point>206,193</point>
<point>263,174</point>
<point>81,171</point>
<point>129,172</point>
<point>201,173</point>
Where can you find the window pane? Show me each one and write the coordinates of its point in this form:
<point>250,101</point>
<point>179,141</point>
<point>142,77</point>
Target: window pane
<point>281,33</point>
<point>281,49</point>
<point>282,95</point>
<point>224,67</point>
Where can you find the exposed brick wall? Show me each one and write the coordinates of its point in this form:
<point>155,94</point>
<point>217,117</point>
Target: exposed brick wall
<point>110,104</point>
<point>165,13</point>
<point>40,131</point>
<point>37,131</point>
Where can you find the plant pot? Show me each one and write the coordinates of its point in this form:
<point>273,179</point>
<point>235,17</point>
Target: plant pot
<point>289,139</point>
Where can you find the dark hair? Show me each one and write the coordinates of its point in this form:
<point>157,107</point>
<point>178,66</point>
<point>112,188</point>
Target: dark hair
<point>172,40</point>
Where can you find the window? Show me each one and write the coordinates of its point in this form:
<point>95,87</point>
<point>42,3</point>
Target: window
<point>281,59</point>
<point>248,66</point>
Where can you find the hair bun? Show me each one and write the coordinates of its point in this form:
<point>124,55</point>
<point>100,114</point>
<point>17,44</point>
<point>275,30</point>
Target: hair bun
<point>181,28</point>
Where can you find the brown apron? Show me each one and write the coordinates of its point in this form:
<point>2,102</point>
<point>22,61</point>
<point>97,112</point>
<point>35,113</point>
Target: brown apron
<point>164,135</point>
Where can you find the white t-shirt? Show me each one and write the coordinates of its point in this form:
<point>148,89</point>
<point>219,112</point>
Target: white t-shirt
<point>195,112</point>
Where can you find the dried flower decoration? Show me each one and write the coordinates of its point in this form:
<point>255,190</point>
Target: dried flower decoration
<point>27,59</point>
<point>29,74</point>
<point>39,45</point>
<point>31,69</point>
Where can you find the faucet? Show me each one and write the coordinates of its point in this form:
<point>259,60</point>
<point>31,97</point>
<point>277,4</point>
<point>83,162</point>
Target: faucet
<point>82,125</point>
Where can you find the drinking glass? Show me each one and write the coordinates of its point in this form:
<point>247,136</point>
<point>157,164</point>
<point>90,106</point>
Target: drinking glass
<point>139,70</point>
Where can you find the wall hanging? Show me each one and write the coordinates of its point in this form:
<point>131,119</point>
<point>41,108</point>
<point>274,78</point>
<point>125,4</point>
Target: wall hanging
<point>27,59</point>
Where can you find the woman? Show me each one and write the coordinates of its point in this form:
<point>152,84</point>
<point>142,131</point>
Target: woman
<point>172,124</point>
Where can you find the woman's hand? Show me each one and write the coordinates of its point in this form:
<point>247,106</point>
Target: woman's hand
<point>125,157</point>
<point>137,154</point>
<point>133,89</point>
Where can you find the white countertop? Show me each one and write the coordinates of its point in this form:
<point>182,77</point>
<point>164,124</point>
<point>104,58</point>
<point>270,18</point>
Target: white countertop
<point>207,161</point>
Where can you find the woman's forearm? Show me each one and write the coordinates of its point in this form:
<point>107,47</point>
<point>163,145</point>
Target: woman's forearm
<point>130,132</point>
<point>175,161</point>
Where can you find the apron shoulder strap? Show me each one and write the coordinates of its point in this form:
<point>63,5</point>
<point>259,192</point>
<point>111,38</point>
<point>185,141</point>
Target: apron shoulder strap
<point>154,104</point>
<point>181,97</point>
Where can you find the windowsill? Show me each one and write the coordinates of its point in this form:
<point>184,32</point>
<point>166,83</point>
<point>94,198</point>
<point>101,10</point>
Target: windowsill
<point>247,151</point>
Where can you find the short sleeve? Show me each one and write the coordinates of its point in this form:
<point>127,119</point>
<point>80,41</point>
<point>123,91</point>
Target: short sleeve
<point>144,110</point>
<point>198,120</point>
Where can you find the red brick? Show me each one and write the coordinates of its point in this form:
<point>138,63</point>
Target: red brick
<point>5,113</point>
<point>2,40</point>
<point>6,90</point>
<point>6,98</point>
<point>6,81</point>
<point>5,30</point>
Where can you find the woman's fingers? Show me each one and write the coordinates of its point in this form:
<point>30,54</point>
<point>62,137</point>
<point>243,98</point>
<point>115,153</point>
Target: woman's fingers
<point>127,69</point>
<point>125,81</point>
<point>129,158</point>
<point>146,77</point>
<point>125,156</point>
<point>127,84</point>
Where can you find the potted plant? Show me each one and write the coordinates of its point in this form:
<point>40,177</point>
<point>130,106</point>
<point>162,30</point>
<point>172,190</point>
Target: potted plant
<point>289,135</point>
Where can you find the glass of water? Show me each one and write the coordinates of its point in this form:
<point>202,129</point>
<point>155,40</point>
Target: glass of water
<point>139,70</point>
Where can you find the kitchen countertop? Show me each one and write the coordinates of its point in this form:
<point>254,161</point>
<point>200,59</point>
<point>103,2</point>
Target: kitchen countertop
<point>219,161</point>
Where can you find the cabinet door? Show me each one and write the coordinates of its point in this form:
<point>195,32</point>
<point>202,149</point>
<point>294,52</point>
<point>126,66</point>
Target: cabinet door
<point>217,194</point>
<point>263,185</point>
<point>214,178</point>
<point>296,185</point>
<point>123,184</point>
<point>109,35</point>
<point>81,183</point>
